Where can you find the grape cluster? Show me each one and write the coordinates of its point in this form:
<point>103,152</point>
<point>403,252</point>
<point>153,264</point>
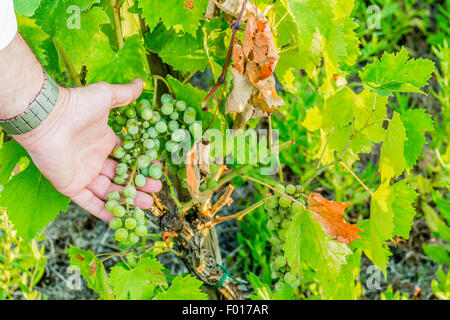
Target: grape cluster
<point>281,210</point>
<point>148,134</point>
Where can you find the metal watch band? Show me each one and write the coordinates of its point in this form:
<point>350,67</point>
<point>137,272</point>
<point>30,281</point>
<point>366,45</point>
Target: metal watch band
<point>38,110</point>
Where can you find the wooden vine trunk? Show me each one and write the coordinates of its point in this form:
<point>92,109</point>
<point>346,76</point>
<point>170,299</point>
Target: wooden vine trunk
<point>198,246</point>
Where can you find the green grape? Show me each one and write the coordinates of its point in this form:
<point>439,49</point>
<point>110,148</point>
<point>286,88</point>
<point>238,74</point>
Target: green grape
<point>213,168</point>
<point>143,161</point>
<point>290,278</point>
<point>271,225</point>
<point>129,201</point>
<point>146,125</point>
<point>141,221</point>
<point>131,259</point>
<point>133,238</point>
<point>211,183</point>
<point>174,115</point>
<point>130,223</point>
<point>152,154</point>
<point>146,114</point>
<point>114,195</point>
<point>111,204</point>
<point>166,98</point>
<point>167,109</point>
<point>275,240</point>
<point>280,260</point>
<point>161,127</point>
<point>130,112</point>
<point>173,125</point>
<point>140,180</point>
<point>141,231</point>
<point>149,144</point>
<point>143,104</point>
<point>284,202</point>
<point>115,223</point>
<point>121,120</point>
<point>155,172</point>
<point>275,275</point>
<point>119,152</point>
<point>144,171</point>
<point>121,169</point>
<point>119,211</point>
<point>189,115</point>
<point>138,213</point>
<point>182,173</point>
<point>280,188</point>
<point>178,135</point>
<point>203,187</point>
<point>282,234</point>
<point>116,127</point>
<point>195,128</point>
<point>119,180</point>
<point>276,218</point>
<point>296,208</point>
<point>132,129</point>
<point>171,146</point>
<point>152,132</point>
<point>285,224</point>
<point>121,235</point>
<point>290,189</point>
<point>180,105</point>
<point>279,286</point>
<point>271,202</point>
<point>130,192</point>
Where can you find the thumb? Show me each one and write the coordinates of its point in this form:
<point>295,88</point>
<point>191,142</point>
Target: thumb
<point>123,94</point>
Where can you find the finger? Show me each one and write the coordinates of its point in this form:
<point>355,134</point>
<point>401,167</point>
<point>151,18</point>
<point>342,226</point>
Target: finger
<point>151,186</point>
<point>101,186</point>
<point>109,169</point>
<point>123,94</point>
<point>89,202</point>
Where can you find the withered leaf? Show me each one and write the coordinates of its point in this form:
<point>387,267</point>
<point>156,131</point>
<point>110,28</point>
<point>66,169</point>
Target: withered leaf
<point>197,162</point>
<point>330,214</point>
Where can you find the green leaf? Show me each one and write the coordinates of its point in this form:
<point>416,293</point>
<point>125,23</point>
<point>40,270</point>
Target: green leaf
<point>392,159</point>
<point>396,73</point>
<point>92,270</point>
<point>183,288</point>
<point>33,35</point>
<point>26,7</point>
<point>10,154</point>
<point>313,120</point>
<point>402,206</point>
<point>416,122</point>
<point>307,242</point>
<point>74,24</point>
<point>138,283</point>
<point>261,289</point>
<point>437,253</point>
<point>122,66</point>
<point>172,13</point>
<point>32,202</point>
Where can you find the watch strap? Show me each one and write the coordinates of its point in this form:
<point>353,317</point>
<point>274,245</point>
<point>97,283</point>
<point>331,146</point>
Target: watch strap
<point>38,110</point>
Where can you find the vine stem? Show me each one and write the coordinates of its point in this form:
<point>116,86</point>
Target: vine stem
<point>115,6</point>
<point>221,78</point>
<point>172,192</point>
<point>158,77</point>
<point>73,74</point>
<point>280,170</point>
<point>356,177</point>
<point>239,215</point>
<point>274,190</point>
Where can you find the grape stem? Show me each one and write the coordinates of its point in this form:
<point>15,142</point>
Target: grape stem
<point>239,215</point>
<point>274,189</point>
<point>158,77</point>
<point>222,76</point>
<point>115,6</point>
<point>172,193</point>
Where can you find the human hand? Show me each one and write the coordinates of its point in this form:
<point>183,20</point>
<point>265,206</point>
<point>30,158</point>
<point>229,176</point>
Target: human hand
<point>72,145</point>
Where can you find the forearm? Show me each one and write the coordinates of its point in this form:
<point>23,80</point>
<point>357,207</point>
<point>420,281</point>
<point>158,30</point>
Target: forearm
<point>21,78</point>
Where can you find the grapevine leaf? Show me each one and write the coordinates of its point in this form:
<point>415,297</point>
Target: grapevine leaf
<point>330,214</point>
<point>437,253</point>
<point>307,242</point>
<point>10,153</point>
<point>381,214</point>
<point>392,159</point>
<point>26,7</point>
<point>92,270</point>
<point>183,288</point>
<point>73,24</point>
<point>33,35</point>
<point>104,63</point>
<point>188,13</point>
<point>261,289</point>
<point>396,73</point>
<point>403,209</point>
<point>416,122</point>
<point>32,202</point>
<point>313,120</point>
<point>138,283</point>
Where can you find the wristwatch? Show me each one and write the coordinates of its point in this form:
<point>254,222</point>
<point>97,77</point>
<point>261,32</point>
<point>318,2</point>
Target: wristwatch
<point>38,109</point>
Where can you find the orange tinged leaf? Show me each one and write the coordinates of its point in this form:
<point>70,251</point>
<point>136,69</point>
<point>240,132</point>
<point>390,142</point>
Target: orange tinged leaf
<point>93,268</point>
<point>330,214</point>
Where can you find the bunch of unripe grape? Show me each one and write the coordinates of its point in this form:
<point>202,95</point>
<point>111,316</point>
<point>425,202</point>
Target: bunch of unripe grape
<point>281,210</point>
<point>148,134</point>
